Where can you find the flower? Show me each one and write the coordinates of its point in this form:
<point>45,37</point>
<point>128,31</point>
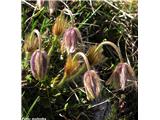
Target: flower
<point>31,43</point>
<point>94,57</point>
<point>71,66</point>
<point>70,39</point>
<point>91,84</point>
<point>120,75</point>
<point>59,25</point>
<point>38,64</point>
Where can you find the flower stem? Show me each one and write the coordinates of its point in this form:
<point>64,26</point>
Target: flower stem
<point>84,58</point>
<point>80,71</point>
<point>112,45</point>
<point>67,79</point>
<point>60,84</point>
<point>52,47</point>
<point>26,59</point>
<point>70,14</point>
<point>38,35</point>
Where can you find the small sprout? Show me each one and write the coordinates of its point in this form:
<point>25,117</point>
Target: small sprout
<point>28,77</point>
<point>38,64</point>
<point>58,94</point>
<point>65,107</point>
<point>95,57</point>
<point>70,39</point>
<point>91,82</point>
<point>120,75</point>
<point>54,81</point>
<point>59,25</point>
<point>71,66</point>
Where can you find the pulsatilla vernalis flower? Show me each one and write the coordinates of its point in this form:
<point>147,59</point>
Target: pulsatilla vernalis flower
<point>71,66</point>
<point>92,84</point>
<point>38,64</point>
<point>31,43</point>
<point>94,57</point>
<point>70,38</point>
<point>120,75</point>
<point>59,25</point>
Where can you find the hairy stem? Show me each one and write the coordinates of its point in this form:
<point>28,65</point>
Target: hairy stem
<point>38,36</point>
<point>52,47</point>
<point>67,79</point>
<point>60,84</point>
<point>113,46</point>
<point>27,54</point>
<point>84,58</point>
<point>70,14</point>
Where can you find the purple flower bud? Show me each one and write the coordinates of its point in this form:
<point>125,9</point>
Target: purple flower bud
<point>70,39</point>
<point>120,75</point>
<point>38,64</point>
<point>92,84</point>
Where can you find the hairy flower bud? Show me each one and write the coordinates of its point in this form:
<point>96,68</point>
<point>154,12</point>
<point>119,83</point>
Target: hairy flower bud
<point>120,75</point>
<point>70,39</point>
<point>38,64</point>
<point>92,84</point>
<point>71,66</point>
<point>94,57</point>
<point>59,25</point>
<point>31,43</point>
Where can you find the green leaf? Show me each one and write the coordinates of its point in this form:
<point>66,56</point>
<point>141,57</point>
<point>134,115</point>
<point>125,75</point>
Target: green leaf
<point>65,106</point>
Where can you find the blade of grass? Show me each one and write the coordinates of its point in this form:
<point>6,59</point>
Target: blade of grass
<point>128,15</point>
<point>31,108</point>
<point>89,16</point>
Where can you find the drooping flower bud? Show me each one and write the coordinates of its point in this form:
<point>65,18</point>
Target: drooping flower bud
<point>38,64</point>
<point>92,84</point>
<point>31,43</point>
<point>95,57</point>
<point>120,75</point>
<point>59,25</point>
<point>70,39</point>
<point>71,66</point>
